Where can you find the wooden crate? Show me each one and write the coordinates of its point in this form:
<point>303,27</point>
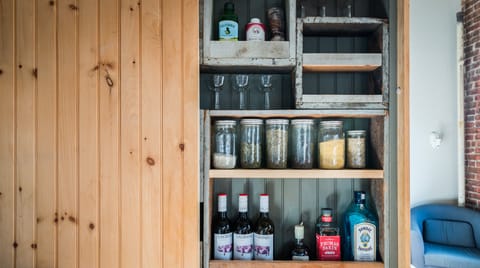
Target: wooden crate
<point>374,61</point>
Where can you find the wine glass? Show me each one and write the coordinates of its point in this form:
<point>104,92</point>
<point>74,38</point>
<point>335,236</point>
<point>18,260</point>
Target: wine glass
<point>241,82</point>
<point>266,81</point>
<point>218,80</point>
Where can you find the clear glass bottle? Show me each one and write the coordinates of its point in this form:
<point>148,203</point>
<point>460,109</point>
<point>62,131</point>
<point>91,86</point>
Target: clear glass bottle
<point>264,232</point>
<point>356,144</point>
<point>331,145</point>
<point>243,232</point>
<point>222,231</point>
<point>327,237</point>
<point>302,143</point>
<point>277,143</point>
<point>300,251</point>
<point>251,145</point>
<point>361,231</point>
<point>225,151</point>
<point>228,23</point>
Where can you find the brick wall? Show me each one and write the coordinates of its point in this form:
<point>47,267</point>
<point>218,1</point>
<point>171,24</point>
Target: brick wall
<point>471,17</point>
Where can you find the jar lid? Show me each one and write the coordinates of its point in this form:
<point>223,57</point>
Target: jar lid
<point>250,121</point>
<point>331,123</point>
<point>255,20</point>
<point>302,121</point>
<point>225,123</point>
<point>277,121</point>
<point>356,132</point>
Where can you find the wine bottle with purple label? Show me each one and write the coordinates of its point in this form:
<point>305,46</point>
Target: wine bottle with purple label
<point>222,231</point>
<point>264,232</point>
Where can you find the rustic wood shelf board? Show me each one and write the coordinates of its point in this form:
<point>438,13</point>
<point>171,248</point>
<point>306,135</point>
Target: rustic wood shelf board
<point>341,62</point>
<point>297,113</point>
<point>297,173</point>
<point>294,264</point>
<point>249,49</point>
<point>340,25</point>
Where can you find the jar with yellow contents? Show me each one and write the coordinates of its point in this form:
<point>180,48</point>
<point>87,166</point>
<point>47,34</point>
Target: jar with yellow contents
<point>331,145</point>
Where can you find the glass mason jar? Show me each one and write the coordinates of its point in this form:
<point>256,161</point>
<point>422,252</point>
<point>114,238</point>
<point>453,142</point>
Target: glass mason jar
<point>225,151</point>
<point>277,143</point>
<point>251,132</point>
<point>356,144</point>
<point>302,143</point>
<point>331,145</point>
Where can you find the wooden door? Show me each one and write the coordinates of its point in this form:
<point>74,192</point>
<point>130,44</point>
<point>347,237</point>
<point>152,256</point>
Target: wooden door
<point>99,133</point>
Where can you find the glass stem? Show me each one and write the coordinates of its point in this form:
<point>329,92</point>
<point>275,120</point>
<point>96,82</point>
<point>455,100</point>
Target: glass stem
<point>217,100</point>
<point>267,100</point>
<point>242,100</point>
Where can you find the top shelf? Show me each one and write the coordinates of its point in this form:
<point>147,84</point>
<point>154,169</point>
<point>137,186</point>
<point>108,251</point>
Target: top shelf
<point>298,113</point>
<point>340,25</point>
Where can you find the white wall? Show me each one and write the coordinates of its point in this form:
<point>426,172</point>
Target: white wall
<point>433,86</point>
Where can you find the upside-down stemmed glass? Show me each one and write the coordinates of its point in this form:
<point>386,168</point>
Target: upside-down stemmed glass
<point>241,82</point>
<point>266,82</point>
<point>218,81</point>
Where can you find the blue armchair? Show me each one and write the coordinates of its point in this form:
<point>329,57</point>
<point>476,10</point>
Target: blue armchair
<point>445,236</point>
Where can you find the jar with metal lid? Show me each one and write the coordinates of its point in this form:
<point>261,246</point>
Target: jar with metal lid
<point>302,143</point>
<point>251,132</point>
<point>225,149</point>
<point>331,145</point>
<point>356,144</point>
<point>277,143</point>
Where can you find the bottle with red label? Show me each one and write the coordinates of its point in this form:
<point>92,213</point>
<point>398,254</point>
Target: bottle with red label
<point>327,237</point>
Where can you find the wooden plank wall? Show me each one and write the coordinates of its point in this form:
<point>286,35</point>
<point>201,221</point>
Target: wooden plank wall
<point>99,150</point>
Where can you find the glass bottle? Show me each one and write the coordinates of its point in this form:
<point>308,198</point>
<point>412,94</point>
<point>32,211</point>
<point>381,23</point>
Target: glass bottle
<point>264,232</point>
<point>361,231</point>
<point>302,143</point>
<point>327,237</point>
<point>251,132</point>
<point>277,143</point>
<point>225,151</point>
<point>300,251</point>
<point>243,232</point>
<point>356,141</point>
<point>331,145</point>
<point>222,231</point>
<point>228,23</point>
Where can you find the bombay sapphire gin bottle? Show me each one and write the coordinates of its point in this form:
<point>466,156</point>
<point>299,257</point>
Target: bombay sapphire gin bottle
<point>360,231</point>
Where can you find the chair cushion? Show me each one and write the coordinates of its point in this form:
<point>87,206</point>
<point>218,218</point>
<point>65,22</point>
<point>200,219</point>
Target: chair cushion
<point>437,255</point>
<point>446,232</point>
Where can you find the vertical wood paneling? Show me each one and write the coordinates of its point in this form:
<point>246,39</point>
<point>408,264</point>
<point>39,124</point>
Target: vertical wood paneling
<point>109,120</point>
<point>25,133</point>
<point>67,133</point>
<point>46,155</point>
<point>130,245</point>
<point>173,135</point>
<point>152,136</point>
<point>88,109</point>
<point>7,133</point>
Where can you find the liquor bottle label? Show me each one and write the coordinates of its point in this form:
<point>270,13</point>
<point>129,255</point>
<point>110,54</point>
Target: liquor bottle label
<point>255,32</point>
<point>263,246</point>
<point>222,246</point>
<point>364,242</point>
<point>300,258</point>
<point>228,30</point>
<point>328,247</point>
<point>243,246</point>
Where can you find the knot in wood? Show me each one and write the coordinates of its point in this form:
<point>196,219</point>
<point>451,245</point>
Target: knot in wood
<point>150,161</point>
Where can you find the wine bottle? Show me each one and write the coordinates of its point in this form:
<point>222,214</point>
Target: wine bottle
<point>264,231</point>
<point>243,232</point>
<point>361,231</point>
<point>222,231</point>
<point>300,251</point>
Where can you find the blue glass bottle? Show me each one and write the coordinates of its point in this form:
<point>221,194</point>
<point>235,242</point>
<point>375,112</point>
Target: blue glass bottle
<point>360,231</point>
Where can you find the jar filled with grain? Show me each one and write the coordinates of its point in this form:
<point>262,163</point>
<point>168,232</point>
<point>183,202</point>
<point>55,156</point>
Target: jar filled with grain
<point>302,143</point>
<point>251,143</point>
<point>277,143</point>
<point>225,151</point>
<point>356,143</point>
<point>331,145</point>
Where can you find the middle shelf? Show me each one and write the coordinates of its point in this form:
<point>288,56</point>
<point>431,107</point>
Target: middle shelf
<point>297,173</point>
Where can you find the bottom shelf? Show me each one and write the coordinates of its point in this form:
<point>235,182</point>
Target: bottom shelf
<point>294,264</point>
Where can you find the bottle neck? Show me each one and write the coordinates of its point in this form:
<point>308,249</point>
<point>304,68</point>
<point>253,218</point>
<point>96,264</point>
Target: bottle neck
<point>360,205</point>
<point>299,242</point>
<point>264,214</point>
<point>222,214</point>
<point>243,215</point>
